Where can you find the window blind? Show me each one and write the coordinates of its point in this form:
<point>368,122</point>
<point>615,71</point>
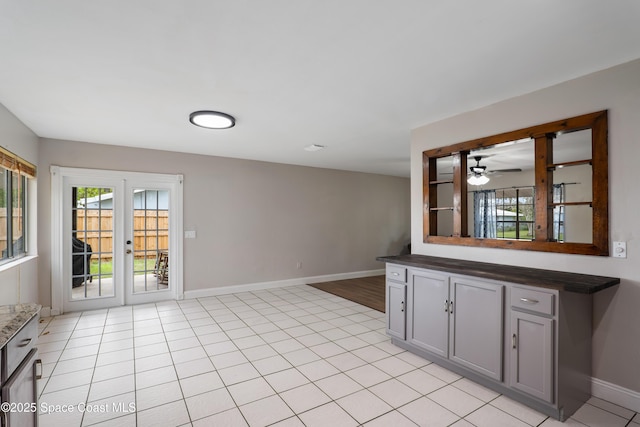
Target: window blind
<point>14,163</point>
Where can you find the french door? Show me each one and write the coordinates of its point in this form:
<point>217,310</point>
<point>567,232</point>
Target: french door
<point>119,240</point>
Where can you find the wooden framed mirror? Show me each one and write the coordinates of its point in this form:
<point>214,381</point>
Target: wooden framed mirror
<point>542,188</point>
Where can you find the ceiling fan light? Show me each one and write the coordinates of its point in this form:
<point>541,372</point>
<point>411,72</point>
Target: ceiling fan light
<point>478,179</point>
<point>212,119</point>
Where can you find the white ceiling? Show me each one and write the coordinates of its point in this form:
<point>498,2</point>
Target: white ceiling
<point>353,75</point>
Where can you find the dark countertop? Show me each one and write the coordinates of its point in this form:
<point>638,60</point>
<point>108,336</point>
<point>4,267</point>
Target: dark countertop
<point>13,318</point>
<point>559,280</point>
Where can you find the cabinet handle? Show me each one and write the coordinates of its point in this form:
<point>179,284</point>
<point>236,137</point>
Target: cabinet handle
<point>37,367</point>
<point>451,307</point>
<point>513,341</point>
<point>25,342</point>
<point>395,274</point>
<point>529,300</point>
<point>402,306</point>
<point>446,306</point>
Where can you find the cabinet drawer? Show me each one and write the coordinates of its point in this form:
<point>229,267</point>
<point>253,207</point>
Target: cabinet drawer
<point>397,273</point>
<point>19,346</point>
<point>533,300</point>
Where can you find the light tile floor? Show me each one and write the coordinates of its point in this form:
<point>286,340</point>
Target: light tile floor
<point>104,286</point>
<point>291,356</point>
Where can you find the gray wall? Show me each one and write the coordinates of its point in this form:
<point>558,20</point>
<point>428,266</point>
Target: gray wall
<point>254,220</point>
<point>19,280</point>
<point>616,347</point>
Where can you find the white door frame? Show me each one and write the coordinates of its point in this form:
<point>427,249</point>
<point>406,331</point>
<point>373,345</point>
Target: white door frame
<point>58,253</point>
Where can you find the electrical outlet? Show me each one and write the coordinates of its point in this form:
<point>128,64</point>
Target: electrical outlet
<point>190,234</point>
<point>619,249</point>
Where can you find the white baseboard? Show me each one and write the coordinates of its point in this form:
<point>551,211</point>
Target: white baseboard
<point>223,290</point>
<point>48,312</point>
<point>615,394</point>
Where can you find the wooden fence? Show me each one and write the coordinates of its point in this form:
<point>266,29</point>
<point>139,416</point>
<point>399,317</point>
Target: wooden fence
<point>17,225</point>
<point>95,227</point>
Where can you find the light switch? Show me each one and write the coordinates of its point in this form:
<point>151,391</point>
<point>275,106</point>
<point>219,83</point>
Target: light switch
<point>190,234</point>
<point>619,249</point>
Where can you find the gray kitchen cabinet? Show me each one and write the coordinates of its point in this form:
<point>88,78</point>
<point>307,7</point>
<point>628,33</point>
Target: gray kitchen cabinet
<point>476,325</point>
<point>18,365</point>
<point>459,318</point>
<point>396,309</point>
<point>428,313</point>
<point>396,301</point>
<point>532,341</point>
<point>532,355</point>
<point>523,332</point>
<point>21,390</point>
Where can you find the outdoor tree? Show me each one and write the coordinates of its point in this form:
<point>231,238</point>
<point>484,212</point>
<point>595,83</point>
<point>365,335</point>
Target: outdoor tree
<point>89,192</point>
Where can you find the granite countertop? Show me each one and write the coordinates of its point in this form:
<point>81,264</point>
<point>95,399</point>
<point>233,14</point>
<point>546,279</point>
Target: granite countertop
<point>559,280</point>
<point>14,317</point>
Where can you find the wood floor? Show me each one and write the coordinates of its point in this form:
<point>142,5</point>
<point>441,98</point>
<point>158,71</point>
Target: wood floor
<point>368,291</point>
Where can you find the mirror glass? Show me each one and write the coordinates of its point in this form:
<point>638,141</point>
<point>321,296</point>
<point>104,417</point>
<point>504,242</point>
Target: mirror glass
<point>572,176</point>
<point>542,188</point>
<point>503,207</point>
<point>444,166</point>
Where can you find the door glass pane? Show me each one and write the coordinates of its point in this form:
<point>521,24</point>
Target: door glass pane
<point>150,240</point>
<point>92,242</point>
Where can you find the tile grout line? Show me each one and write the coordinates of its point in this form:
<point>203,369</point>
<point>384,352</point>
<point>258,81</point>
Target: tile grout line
<point>279,308</point>
<point>331,400</point>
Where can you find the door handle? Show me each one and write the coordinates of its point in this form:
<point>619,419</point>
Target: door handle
<point>451,307</point>
<point>513,341</point>
<point>37,366</point>
<point>446,306</point>
<point>402,306</point>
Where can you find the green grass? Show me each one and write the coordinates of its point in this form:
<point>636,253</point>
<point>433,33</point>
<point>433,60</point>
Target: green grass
<point>511,234</point>
<point>105,268</point>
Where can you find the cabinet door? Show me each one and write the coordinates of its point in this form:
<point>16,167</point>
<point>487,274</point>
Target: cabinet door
<point>532,355</point>
<point>396,309</point>
<point>20,388</point>
<point>428,311</point>
<point>477,325</point>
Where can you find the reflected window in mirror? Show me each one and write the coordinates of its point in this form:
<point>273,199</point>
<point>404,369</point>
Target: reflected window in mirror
<point>503,207</point>
<point>503,213</point>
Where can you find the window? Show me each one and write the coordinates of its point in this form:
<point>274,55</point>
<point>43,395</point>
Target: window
<point>515,213</point>
<point>13,205</point>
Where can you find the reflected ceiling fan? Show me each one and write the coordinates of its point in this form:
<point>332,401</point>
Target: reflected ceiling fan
<point>478,173</point>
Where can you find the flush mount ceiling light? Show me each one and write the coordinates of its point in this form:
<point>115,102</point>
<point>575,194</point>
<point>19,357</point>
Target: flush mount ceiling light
<point>212,119</point>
